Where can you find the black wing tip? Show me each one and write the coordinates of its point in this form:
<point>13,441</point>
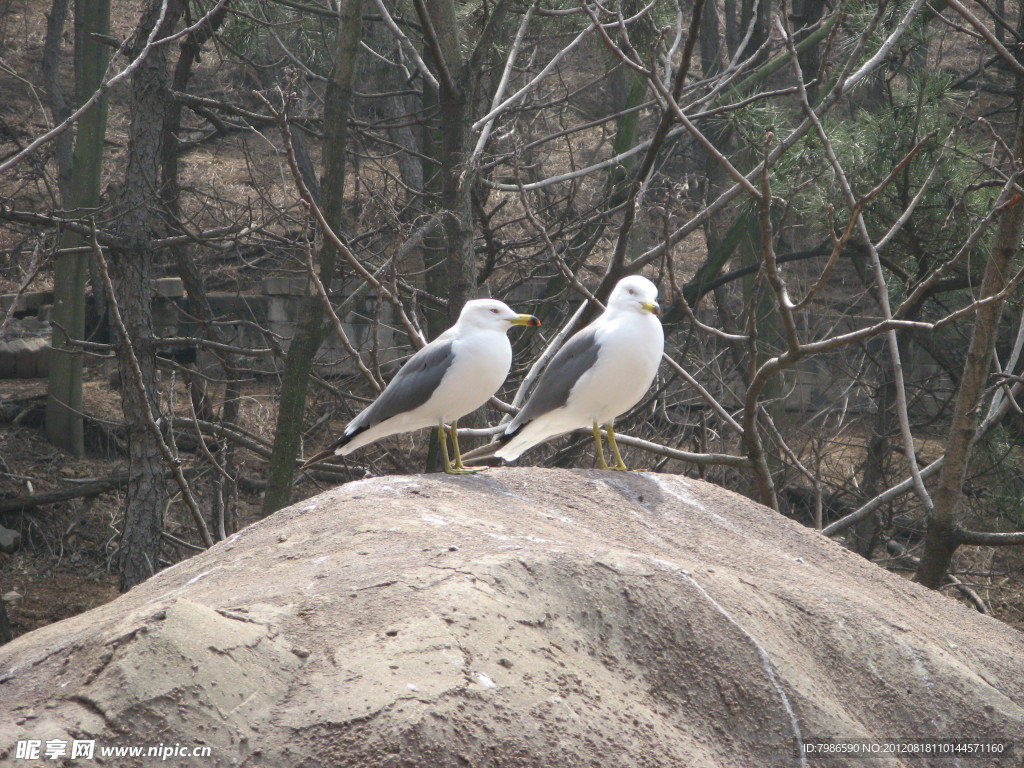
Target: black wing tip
<point>506,437</point>
<point>332,449</point>
<point>316,459</point>
<point>484,455</point>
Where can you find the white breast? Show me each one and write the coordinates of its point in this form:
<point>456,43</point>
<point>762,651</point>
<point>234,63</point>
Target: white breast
<point>631,348</point>
<point>482,363</point>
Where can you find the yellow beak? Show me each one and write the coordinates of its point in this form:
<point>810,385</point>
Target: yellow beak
<point>652,307</point>
<point>525,320</point>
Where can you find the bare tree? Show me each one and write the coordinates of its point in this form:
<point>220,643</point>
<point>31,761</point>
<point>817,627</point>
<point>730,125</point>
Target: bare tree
<point>131,272</point>
<point>814,191</point>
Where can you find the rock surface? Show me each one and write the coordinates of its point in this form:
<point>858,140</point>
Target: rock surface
<point>9,539</point>
<point>519,617</point>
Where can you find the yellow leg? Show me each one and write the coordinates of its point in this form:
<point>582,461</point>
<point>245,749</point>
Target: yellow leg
<point>458,468</point>
<point>601,463</point>
<point>442,438</point>
<point>619,463</point>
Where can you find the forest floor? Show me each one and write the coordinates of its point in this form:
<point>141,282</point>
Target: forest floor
<point>64,564</point>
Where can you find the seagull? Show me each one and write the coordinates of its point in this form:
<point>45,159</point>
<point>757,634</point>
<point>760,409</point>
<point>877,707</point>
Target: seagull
<point>451,376</point>
<point>600,373</point>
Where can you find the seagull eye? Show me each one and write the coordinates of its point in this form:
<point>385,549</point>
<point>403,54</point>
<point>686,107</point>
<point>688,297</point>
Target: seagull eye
<point>632,292</point>
<point>494,311</point>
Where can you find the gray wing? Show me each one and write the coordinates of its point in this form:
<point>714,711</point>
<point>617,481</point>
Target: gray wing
<point>412,387</point>
<point>567,366</point>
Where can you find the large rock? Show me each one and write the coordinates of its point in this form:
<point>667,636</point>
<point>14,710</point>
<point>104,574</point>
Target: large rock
<point>519,617</point>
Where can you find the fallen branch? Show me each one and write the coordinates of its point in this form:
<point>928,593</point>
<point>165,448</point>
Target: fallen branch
<point>91,488</point>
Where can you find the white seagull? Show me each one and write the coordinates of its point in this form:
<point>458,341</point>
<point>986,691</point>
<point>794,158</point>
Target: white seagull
<point>451,376</point>
<point>600,373</point>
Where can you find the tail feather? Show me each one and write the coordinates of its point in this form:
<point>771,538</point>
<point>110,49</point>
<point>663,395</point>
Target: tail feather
<point>488,451</point>
<point>522,439</point>
<point>483,452</point>
<point>334,448</point>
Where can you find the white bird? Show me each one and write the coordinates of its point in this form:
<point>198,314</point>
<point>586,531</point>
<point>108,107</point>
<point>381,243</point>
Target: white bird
<point>600,373</point>
<point>451,376</point>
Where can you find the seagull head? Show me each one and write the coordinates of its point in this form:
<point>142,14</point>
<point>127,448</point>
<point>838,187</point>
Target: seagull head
<point>490,313</point>
<point>635,293</point>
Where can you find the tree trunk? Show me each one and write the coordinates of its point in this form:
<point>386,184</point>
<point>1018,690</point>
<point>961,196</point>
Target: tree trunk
<point>733,35</point>
<point>59,109</point>
<point>458,79</point>
<point>434,250</point>
<point>131,271</point>
<point>311,328</point>
<point>759,12</point>
<point>455,104</point>
<point>943,534</point>
<point>873,475</point>
<point>711,41</point>
<point>806,13</point>
<point>64,425</point>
